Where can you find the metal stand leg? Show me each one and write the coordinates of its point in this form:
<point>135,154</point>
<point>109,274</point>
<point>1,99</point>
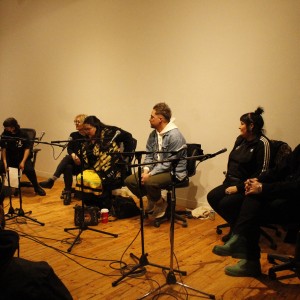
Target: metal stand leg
<point>143,260</point>
<point>82,226</point>
<point>170,276</point>
<point>81,229</point>
<point>12,214</point>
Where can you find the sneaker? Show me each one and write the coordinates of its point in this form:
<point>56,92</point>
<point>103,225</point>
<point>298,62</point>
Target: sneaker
<point>244,268</point>
<point>150,207</point>
<point>48,184</point>
<point>159,209</point>
<point>2,218</point>
<point>40,191</point>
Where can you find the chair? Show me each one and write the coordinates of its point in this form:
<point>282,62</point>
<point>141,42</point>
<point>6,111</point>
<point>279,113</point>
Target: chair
<point>192,150</point>
<point>280,150</point>
<point>291,263</point>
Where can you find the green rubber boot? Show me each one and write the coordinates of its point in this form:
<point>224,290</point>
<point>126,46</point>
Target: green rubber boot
<point>244,268</point>
<point>235,247</point>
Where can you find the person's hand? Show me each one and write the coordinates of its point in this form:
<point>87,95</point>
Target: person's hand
<point>144,177</point>
<point>231,190</point>
<point>76,160</point>
<point>248,183</point>
<point>22,165</point>
<point>253,186</point>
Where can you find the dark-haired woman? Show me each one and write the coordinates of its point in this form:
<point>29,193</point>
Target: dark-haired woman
<point>100,155</point>
<point>249,157</point>
<point>16,152</point>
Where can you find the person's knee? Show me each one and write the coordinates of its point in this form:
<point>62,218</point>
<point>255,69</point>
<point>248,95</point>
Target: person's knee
<point>213,198</point>
<point>129,181</point>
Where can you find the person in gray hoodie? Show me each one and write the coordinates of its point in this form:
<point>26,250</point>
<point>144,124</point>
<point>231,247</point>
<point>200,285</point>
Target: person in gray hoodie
<point>165,143</point>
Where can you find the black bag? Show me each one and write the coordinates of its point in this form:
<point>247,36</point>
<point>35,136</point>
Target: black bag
<point>91,215</point>
<point>125,207</point>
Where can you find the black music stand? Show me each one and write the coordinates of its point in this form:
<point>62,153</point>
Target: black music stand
<point>12,214</point>
<point>20,212</point>
<point>143,260</point>
<point>170,276</point>
<point>82,226</point>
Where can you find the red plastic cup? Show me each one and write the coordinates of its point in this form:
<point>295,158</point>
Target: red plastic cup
<point>104,215</point>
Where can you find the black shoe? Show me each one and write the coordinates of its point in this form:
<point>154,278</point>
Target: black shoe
<point>40,191</point>
<point>2,218</point>
<point>48,184</point>
<point>235,247</point>
<point>62,195</point>
<point>67,198</point>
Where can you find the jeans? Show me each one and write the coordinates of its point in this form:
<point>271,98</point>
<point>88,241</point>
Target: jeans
<point>152,187</point>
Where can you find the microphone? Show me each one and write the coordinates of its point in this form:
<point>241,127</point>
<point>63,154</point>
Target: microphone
<point>218,152</point>
<point>66,144</point>
<point>118,132</point>
<point>180,149</point>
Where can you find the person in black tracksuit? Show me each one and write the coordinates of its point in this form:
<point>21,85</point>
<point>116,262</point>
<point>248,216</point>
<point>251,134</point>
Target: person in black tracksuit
<point>16,152</point>
<point>272,197</point>
<point>249,157</point>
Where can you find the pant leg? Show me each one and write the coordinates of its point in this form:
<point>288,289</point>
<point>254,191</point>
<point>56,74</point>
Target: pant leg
<point>132,182</point>
<point>30,173</point>
<point>67,160</point>
<point>248,224</point>
<point>227,206</point>
<point>155,184</point>
<point>152,188</point>
<point>68,177</point>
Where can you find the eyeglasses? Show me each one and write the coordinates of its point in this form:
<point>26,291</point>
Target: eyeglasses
<point>77,122</point>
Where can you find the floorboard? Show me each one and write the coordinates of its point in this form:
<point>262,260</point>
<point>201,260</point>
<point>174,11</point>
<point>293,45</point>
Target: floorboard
<point>92,266</point>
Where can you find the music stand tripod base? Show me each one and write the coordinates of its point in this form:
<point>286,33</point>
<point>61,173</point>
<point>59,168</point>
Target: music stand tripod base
<point>12,214</point>
<point>83,228</point>
<point>82,225</point>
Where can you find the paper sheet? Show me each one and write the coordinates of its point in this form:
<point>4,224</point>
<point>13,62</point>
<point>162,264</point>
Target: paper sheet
<point>13,177</point>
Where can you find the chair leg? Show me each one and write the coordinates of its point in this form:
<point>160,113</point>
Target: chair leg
<point>219,228</point>
<point>289,263</point>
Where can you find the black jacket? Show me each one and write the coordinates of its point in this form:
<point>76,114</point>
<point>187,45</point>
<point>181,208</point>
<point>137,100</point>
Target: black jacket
<point>284,179</point>
<point>23,279</point>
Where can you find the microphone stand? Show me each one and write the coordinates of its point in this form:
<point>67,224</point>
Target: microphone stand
<point>143,260</point>
<point>170,276</point>
<point>82,226</point>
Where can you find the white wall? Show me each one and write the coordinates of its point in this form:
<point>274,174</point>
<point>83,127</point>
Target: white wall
<point>210,60</point>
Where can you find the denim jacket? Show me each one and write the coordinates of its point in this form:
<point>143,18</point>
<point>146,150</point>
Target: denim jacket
<point>172,141</point>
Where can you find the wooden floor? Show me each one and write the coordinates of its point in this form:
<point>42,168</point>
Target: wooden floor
<point>92,266</point>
